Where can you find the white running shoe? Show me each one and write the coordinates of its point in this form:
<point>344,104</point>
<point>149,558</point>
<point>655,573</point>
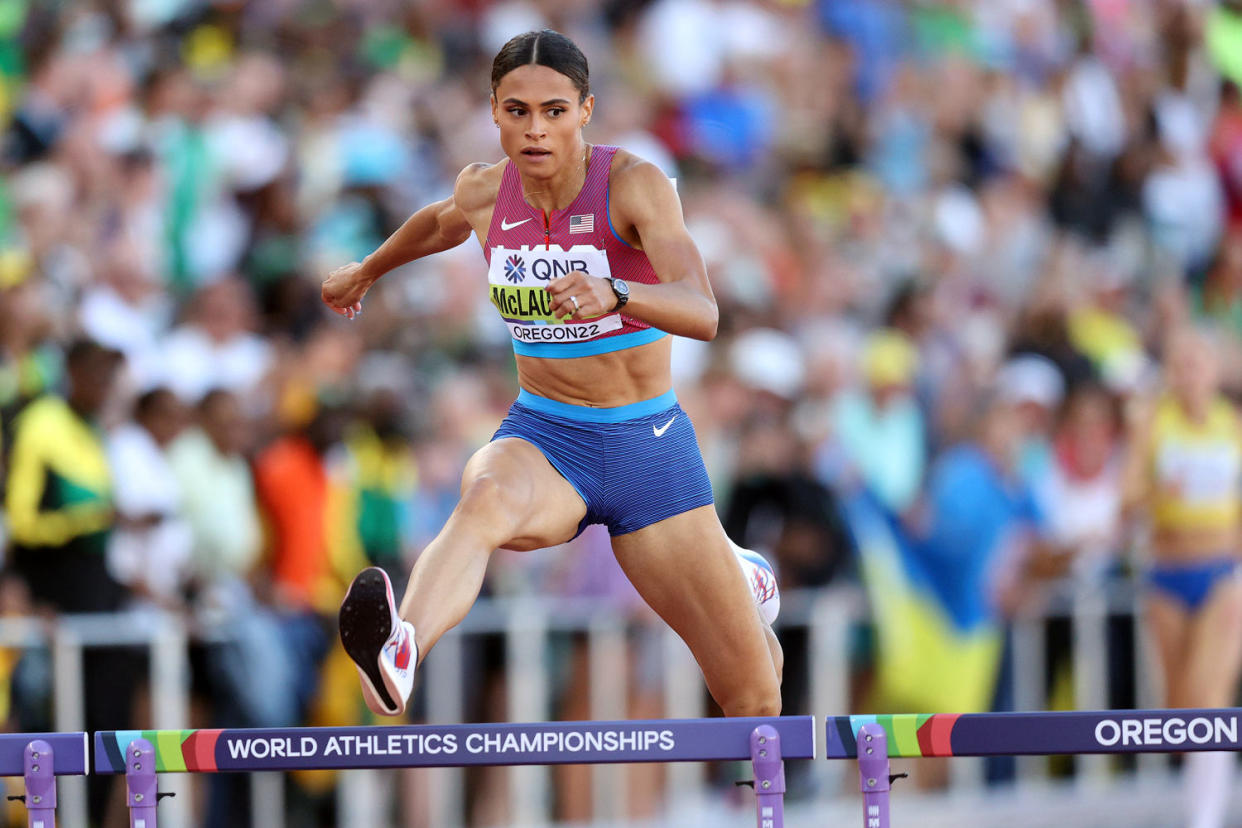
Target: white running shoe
<point>762,582</point>
<point>379,642</point>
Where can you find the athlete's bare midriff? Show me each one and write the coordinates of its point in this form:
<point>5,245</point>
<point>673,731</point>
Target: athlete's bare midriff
<point>1191,545</point>
<point>603,380</point>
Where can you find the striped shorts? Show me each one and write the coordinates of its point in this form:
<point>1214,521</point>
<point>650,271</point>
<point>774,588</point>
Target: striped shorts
<point>633,465</point>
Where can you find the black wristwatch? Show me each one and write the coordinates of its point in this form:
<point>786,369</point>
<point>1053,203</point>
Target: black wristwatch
<point>622,290</point>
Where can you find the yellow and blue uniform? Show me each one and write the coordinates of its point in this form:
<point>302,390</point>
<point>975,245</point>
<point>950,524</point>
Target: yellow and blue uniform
<point>1196,469</point>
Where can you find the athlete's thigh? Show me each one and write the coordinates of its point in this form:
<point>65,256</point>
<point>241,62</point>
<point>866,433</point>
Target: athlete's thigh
<point>1169,625</point>
<point>685,569</point>
<point>536,505</point>
<point>1215,647</point>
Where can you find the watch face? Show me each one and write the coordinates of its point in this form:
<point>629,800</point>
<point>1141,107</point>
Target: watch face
<point>620,288</point>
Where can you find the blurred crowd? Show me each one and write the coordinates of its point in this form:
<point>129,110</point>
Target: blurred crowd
<point>948,240</point>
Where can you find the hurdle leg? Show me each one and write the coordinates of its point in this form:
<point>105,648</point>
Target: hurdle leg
<point>873,775</point>
<point>140,784</point>
<point>765,758</point>
<point>40,785</point>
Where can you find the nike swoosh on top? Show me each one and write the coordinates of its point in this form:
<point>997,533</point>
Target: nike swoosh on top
<point>505,225</point>
<point>659,432</point>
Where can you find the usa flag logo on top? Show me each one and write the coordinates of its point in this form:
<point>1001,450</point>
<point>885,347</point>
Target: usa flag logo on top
<point>582,224</point>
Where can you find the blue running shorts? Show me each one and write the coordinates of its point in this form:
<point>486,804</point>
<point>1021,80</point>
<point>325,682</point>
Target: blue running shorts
<point>633,465</point>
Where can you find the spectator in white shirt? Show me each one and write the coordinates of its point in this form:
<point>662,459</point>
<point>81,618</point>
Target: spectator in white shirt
<point>150,549</point>
<point>216,348</point>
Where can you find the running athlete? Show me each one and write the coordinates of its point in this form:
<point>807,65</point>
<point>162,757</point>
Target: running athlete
<point>591,267</point>
<point>1184,471</point>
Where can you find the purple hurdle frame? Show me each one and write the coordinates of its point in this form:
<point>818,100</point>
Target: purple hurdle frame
<point>39,758</point>
<point>872,740</point>
<point>141,793</point>
<point>766,742</point>
<point>873,775</point>
<point>40,776</point>
<point>769,768</point>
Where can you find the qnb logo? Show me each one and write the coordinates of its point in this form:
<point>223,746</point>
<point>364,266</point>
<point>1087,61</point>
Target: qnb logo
<point>1219,730</point>
<point>545,270</point>
<point>515,269</point>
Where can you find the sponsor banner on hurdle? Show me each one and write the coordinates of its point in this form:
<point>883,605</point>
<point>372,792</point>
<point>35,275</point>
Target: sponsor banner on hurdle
<point>541,743</point>
<point>1042,734</point>
<point>68,752</point>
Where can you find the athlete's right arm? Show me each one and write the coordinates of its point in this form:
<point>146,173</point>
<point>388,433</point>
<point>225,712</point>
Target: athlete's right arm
<point>436,227</point>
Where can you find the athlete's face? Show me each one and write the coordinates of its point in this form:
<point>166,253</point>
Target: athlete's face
<point>1192,369</point>
<point>541,120</point>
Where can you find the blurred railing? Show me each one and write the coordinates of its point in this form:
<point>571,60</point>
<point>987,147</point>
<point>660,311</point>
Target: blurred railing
<point>529,629</point>
<point>65,637</point>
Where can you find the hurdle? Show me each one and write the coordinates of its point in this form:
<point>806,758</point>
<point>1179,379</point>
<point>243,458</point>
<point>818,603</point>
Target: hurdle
<point>873,740</point>
<point>765,742</point>
<point>39,758</point>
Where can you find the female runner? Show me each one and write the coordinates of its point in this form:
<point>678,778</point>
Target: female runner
<point>1184,471</point>
<point>591,267</point>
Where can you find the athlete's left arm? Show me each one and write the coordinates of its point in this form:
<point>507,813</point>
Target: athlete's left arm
<point>682,302</point>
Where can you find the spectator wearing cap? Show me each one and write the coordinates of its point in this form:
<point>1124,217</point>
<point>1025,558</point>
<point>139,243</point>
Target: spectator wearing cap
<point>879,430</point>
<point>1033,386</point>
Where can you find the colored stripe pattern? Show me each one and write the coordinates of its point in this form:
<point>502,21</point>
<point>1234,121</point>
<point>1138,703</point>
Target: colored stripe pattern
<point>1042,734</point>
<point>175,750</point>
<point>544,743</point>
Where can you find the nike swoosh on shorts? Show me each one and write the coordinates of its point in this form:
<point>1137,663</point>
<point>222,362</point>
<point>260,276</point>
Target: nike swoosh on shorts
<point>505,225</point>
<point>659,432</point>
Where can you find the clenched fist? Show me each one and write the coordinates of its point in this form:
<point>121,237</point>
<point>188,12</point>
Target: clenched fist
<point>344,288</point>
<point>580,295</point>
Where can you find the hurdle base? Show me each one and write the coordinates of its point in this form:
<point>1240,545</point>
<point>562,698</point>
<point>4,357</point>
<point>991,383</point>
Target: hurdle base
<point>769,768</point>
<point>874,775</point>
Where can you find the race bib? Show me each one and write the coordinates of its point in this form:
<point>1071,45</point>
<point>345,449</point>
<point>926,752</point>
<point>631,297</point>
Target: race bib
<point>1200,474</point>
<point>518,279</point>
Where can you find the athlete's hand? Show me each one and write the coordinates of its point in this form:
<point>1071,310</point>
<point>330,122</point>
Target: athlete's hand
<point>344,288</point>
<point>581,296</point>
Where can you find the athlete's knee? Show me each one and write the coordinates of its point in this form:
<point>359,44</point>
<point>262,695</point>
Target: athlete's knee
<point>757,702</point>
<point>489,507</point>
<point>778,654</point>
<point>485,494</point>
<point>759,697</point>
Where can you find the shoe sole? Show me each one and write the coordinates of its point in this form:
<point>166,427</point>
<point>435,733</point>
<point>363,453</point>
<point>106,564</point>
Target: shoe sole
<point>365,624</point>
